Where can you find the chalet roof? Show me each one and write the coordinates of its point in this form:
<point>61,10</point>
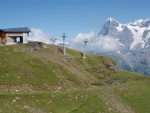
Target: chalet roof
<point>14,30</point>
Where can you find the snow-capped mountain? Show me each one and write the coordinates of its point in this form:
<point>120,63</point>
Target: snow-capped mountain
<point>134,39</point>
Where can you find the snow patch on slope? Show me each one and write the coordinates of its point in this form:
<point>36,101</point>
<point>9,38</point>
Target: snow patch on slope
<point>120,28</point>
<point>137,35</point>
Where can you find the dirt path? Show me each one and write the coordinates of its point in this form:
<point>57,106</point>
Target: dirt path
<point>77,72</point>
<point>115,102</point>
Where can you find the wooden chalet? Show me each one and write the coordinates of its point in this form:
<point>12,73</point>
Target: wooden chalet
<point>14,35</point>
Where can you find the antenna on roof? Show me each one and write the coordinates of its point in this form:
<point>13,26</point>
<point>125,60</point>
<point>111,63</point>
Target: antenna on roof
<point>85,42</point>
<point>63,35</point>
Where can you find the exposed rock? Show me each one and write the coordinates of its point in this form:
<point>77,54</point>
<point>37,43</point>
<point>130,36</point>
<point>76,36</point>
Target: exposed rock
<point>110,66</point>
<point>35,46</point>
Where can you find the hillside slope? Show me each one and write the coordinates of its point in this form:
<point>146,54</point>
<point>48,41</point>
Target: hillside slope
<point>38,78</point>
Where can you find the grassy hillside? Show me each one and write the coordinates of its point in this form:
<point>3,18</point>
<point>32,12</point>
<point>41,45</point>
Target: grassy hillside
<point>38,78</point>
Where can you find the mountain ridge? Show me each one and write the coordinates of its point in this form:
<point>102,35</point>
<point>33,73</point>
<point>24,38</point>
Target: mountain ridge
<point>134,39</point>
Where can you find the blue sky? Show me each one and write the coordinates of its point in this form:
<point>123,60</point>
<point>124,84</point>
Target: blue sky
<point>72,17</point>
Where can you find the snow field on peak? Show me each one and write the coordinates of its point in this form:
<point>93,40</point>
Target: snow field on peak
<point>137,35</point>
<point>136,23</point>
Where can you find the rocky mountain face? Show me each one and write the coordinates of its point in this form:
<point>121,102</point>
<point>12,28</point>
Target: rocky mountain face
<point>134,44</point>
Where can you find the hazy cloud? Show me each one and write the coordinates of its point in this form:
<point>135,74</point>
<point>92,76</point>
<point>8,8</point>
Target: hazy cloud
<point>78,41</point>
<point>105,44</point>
<point>39,35</point>
<point>95,44</point>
